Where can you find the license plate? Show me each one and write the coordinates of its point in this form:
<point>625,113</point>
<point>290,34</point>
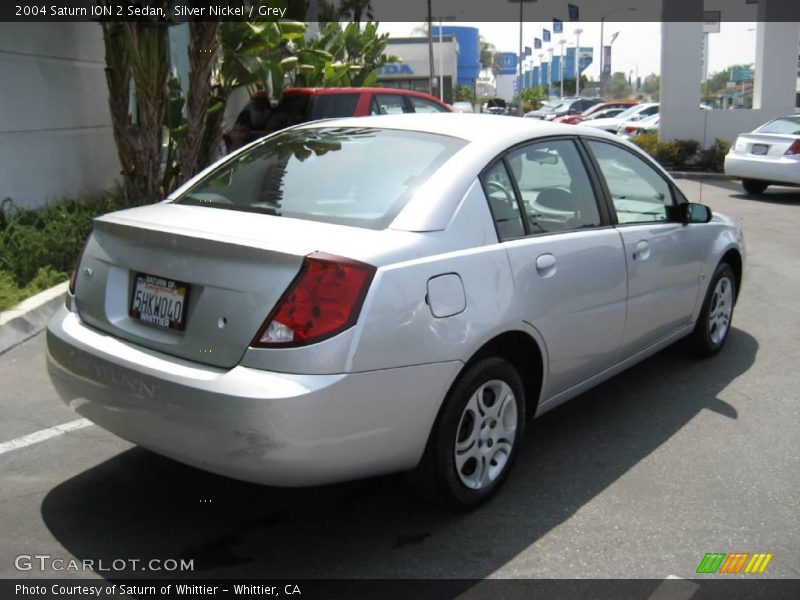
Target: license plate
<point>760,149</point>
<point>159,301</point>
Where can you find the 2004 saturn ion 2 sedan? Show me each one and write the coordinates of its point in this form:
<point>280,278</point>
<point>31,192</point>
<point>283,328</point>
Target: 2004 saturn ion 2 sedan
<point>362,296</point>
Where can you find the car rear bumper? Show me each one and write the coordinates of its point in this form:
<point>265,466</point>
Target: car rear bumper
<point>271,428</point>
<point>778,170</point>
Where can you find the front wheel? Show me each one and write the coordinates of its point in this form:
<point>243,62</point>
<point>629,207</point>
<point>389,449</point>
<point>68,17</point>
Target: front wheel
<point>714,322</point>
<point>754,186</point>
<point>475,438</point>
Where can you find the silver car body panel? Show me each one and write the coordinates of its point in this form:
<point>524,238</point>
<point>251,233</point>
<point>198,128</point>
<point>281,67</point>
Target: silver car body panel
<point>272,428</point>
<point>363,402</point>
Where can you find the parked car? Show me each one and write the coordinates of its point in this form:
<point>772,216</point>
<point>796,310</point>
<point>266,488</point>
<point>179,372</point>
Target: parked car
<point>631,129</point>
<point>463,107</point>
<point>768,155</point>
<point>496,106</point>
<point>300,105</point>
<point>630,115</point>
<point>380,294</point>
<point>608,109</point>
<point>567,106</point>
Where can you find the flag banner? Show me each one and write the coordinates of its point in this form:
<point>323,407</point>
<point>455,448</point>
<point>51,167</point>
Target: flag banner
<point>546,35</point>
<point>606,61</point>
<point>573,12</point>
<point>528,51</point>
<point>537,43</point>
<point>558,26</point>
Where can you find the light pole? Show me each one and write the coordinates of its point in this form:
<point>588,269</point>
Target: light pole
<point>602,45</point>
<point>541,71</point>
<point>550,73</point>
<point>561,43</point>
<point>578,33</point>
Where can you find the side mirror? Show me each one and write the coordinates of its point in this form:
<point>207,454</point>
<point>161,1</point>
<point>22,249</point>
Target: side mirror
<point>692,212</point>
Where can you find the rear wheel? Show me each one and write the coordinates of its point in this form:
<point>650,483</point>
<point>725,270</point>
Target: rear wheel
<point>754,186</point>
<point>475,438</point>
<point>714,322</point>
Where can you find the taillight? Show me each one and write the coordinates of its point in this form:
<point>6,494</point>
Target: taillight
<point>630,129</point>
<point>323,300</point>
<point>794,148</point>
<point>73,279</point>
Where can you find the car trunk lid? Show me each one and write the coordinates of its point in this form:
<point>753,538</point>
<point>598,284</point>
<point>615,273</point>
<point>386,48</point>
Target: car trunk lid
<point>234,278</point>
<point>764,144</point>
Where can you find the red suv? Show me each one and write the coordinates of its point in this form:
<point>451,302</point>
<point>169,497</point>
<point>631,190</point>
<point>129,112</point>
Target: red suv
<point>299,105</point>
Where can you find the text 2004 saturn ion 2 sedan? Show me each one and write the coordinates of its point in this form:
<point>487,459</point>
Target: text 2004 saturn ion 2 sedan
<point>363,296</point>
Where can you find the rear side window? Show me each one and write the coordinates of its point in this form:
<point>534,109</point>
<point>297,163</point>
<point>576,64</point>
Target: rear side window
<point>328,106</point>
<point>291,110</point>
<point>421,105</point>
<point>347,175</point>
<point>502,202</point>
<point>388,104</point>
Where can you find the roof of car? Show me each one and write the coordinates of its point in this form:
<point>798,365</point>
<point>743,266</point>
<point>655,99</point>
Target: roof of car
<point>315,91</point>
<point>471,127</point>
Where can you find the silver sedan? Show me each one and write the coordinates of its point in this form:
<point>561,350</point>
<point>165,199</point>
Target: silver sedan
<point>354,297</point>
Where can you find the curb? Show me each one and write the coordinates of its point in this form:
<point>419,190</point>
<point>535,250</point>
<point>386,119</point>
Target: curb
<point>699,175</point>
<point>29,317</point>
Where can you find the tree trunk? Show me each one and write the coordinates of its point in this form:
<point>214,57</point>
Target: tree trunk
<point>137,52</point>
<point>203,44</point>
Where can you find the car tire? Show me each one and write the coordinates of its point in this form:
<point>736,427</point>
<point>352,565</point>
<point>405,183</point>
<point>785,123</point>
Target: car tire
<point>714,323</point>
<point>754,186</point>
<point>475,439</point>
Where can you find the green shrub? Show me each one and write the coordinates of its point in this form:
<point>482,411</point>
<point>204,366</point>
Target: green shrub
<point>713,158</point>
<point>39,246</point>
<point>647,142</point>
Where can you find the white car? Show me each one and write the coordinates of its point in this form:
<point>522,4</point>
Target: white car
<point>463,107</point>
<point>630,130</point>
<point>633,114</point>
<point>768,155</point>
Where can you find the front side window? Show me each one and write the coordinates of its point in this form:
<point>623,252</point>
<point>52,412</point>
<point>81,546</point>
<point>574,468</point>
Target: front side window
<point>555,187</point>
<point>425,106</point>
<point>347,175</point>
<point>503,202</point>
<point>639,193</point>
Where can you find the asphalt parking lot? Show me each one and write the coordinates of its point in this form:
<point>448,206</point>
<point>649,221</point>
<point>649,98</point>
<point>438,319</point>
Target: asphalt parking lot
<point>638,478</point>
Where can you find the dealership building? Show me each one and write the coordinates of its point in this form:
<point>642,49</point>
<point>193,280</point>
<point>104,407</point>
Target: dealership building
<point>456,61</point>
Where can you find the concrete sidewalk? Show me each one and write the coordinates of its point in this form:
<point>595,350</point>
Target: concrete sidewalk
<point>30,316</point>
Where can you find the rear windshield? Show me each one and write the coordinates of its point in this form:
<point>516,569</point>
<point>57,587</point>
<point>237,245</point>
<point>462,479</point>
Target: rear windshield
<point>351,176</point>
<point>790,125</point>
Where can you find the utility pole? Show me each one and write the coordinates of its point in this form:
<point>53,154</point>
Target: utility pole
<point>430,48</point>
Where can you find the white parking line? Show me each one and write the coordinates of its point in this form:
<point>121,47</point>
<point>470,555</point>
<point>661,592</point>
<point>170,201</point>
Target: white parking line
<point>43,434</point>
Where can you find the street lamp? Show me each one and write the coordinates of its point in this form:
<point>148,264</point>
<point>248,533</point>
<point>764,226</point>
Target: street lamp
<point>578,33</point>
<point>602,44</point>
<point>561,43</point>
<point>519,56</point>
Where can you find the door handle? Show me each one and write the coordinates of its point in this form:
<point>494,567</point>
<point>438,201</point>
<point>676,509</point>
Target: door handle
<point>546,265</point>
<point>642,251</point>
